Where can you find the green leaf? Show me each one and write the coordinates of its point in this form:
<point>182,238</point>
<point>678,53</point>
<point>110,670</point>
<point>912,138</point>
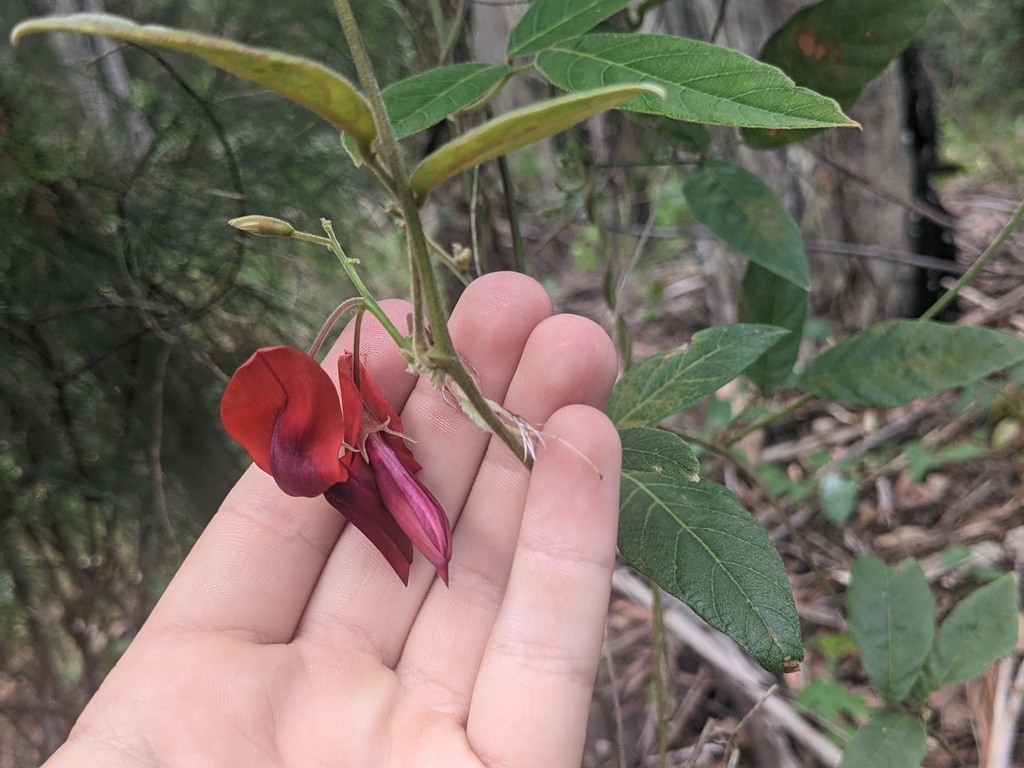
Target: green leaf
<point>518,129</point>
<point>980,630</point>
<point>547,22</point>
<point>892,620</point>
<point>744,212</point>
<point>922,460</point>
<point>889,739</point>
<point>698,543</point>
<point>307,83</point>
<point>420,101</point>
<point>895,362</point>
<point>660,452</point>
<point>667,383</point>
<point>704,83</point>
<point>769,299</point>
<point>838,497</point>
<point>836,47</point>
<point>832,700</point>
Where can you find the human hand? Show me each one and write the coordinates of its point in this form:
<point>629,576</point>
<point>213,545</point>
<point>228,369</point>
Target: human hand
<point>286,638</point>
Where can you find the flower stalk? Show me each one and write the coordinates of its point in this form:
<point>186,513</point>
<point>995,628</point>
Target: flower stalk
<point>369,303</point>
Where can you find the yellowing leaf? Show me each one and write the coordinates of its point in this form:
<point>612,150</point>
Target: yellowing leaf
<point>302,81</point>
<point>518,129</point>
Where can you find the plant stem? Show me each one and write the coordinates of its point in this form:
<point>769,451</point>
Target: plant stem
<point>437,18</point>
<point>512,211</point>
<point>764,421</point>
<point>448,44</point>
<point>325,329</point>
<point>369,302</point>
<point>460,273</point>
<point>977,266</point>
<point>660,684</point>
<point>423,288</point>
<point>434,352</point>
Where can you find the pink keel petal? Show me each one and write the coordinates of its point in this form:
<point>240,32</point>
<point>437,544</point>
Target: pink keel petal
<point>358,501</point>
<point>413,507</point>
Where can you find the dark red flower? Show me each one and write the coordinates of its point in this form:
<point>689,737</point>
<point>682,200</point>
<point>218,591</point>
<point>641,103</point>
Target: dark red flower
<point>343,442</point>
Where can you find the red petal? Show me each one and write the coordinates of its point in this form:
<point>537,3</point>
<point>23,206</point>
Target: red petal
<point>380,408</point>
<point>284,410</point>
<point>351,400</point>
<point>413,507</point>
<point>358,501</point>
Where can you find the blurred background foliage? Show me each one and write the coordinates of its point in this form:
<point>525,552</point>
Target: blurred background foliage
<point>975,56</point>
<point>127,300</point>
<point>126,303</point>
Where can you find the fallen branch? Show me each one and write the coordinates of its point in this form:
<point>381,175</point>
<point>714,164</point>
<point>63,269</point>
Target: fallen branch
<point>730,662</point>
<point>1006,710</point>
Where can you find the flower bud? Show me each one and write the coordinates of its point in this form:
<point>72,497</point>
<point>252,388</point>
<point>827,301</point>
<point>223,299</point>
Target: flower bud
<point>264,226</point>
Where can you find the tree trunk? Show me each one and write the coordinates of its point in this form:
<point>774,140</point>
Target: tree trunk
<point>815,182</point>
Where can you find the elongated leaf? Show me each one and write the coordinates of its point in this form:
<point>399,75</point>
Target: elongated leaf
<point>645,449</point>
<point>769,299</point>
<point>703,83</point>
<point>836,47</point>
<point>665,384</point>
<point>302,81</point>
<point>518,129</point>
<point>895,362</point>
<point>892,620</point>
<point>889,739</point>
<point>981,629</point>
<point>547,22</point>
<point>744,212</point>
<point>420,101</point>
<point>698,543</point>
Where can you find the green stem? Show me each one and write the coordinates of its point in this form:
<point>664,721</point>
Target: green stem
<point>971,273</point>
<point>461,274</point>
<point>424,289</point>
<point>307,237</point>
<point>437,18</point>
<point>453,33</point>
<point>512,210</point>
<point>764,421</point>
<point>369,302</point>
<point>660,684</point>
<point>434,351</point>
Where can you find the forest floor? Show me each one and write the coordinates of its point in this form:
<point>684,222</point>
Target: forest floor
<point>938,480</point>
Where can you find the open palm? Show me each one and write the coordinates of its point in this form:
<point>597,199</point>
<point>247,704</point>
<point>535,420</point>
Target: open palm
<point>286,638</point>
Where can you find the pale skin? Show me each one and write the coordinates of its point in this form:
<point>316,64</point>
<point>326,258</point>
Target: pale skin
<point>287,640</point>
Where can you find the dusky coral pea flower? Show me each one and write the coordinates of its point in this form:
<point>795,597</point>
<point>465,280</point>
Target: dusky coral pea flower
<point>345,443</point>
